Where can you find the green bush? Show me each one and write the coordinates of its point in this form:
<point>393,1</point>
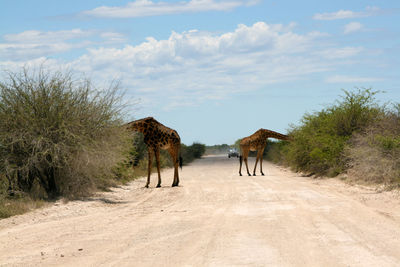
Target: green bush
<point>58,134</point>
<point>198,150</point>
<point>318,143</point>
<point>192,152</point>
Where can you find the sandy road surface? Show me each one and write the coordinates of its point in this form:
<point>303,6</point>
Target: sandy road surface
<point>216,218</point>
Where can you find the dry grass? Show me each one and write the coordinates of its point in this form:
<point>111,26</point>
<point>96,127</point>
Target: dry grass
<point>11,207</point>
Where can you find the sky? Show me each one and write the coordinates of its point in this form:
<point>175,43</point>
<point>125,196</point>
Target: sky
<point>215,71</point>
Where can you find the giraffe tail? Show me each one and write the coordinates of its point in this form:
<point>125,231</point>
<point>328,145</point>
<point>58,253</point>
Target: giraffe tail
<point>180,162</point>
<point>240,161</point>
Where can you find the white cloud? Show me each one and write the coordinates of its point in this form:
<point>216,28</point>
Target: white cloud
<point>347,14</point>
<point>194,66</point>
<point>339,53</point>
<point>26,51</point>
<point>144,8</point>
<point>352,27</point>
<point>113,37</point>
<point>31,44</point>
<point>351,79</point>
<point>38,37</point>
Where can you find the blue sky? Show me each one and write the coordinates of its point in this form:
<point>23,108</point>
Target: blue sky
<point>213,70</point>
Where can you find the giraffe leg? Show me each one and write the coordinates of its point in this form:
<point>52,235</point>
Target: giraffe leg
<point>255,165</point>
<point>174,155</point>
<point>176,178</point>
<point>245,157</point>
<point>261,160</point>
<point>157,152</point>
<point>175,161</point>
<point>177,171</point>
<point>149,168</point>
<point>247,166</point>
<point>242,153</point>
<point>245,153</point>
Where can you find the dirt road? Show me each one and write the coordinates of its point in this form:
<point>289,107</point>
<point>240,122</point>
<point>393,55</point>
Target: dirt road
<point>215,218</point>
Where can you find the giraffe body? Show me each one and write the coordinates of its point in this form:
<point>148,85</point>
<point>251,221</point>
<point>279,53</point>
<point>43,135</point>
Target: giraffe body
<point>256,142</point>
<point>156,137</point>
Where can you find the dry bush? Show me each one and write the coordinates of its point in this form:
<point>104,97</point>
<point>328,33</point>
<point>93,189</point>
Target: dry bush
<point>94,168</point>
<point>368,163</point>
<point>375,154</point>
<point>58,133</point>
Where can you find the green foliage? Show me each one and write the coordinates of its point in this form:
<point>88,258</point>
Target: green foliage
<point>317,145</point>
<point>388,143</point>
<point>57,134</point>
<point>357,110</point>
<point>198,150</point>
<point>192,152</point>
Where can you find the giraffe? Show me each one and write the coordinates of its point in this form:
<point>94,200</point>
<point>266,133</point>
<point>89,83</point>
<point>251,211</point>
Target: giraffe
<point>156,137</point>
<point>256,142</point>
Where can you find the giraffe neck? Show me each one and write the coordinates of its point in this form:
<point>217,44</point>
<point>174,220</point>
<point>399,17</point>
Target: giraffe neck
<point>268,133</point>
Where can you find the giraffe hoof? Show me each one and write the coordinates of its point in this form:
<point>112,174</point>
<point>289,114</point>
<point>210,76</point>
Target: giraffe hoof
<point>262,174</point>
<point>254,174</point>
<point>240,174</point>
<point>146,186</point>
<point>158,186</point>
<point>249,174</point>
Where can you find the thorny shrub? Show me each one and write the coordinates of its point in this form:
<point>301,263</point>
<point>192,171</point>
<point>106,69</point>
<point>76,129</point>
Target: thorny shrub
<point>59,135</point>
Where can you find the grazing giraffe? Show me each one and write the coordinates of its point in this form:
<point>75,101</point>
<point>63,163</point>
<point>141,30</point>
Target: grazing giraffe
<point>256,142</point>
<point>156,137</point>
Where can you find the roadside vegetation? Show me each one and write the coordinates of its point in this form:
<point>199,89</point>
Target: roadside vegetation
<point>192,152</point>
<point>374,155</point>
<point>217,149</point>
<point>62,137</point>
<point>355,135</point>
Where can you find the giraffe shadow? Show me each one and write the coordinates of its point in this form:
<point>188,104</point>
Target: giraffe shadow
<point>106,201</point>
<point>160,188</point>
